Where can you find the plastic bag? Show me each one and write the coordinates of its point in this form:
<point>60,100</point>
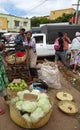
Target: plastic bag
<point>51,75</point>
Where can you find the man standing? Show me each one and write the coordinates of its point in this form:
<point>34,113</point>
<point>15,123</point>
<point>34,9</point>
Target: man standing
<point>19,39</point>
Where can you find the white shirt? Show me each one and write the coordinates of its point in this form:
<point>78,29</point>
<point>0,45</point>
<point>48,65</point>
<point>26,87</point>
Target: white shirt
<point>75,44</point>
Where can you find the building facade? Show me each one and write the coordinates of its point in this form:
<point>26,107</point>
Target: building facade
<point>14,23</point>
<point>58,13</point>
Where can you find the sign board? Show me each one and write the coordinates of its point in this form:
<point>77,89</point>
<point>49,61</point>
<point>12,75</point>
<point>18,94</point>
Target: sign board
<point>3,24</point>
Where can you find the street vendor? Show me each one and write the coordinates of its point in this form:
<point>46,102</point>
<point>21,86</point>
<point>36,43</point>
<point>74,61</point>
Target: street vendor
<point>19,42</point>
<point>30,42</point>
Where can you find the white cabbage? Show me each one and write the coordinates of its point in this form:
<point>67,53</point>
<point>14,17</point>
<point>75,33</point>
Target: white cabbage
<point>44,104</point>
<point>29,106</point>
<point>36,115</point>
<point>36,109</point>
<point>27,117</point>
<point>26,91</point>
<point>43,95</point>
<point>19,104</point>
<point>20,94</point>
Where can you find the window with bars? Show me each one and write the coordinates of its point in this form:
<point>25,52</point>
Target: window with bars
<point>16,23</point>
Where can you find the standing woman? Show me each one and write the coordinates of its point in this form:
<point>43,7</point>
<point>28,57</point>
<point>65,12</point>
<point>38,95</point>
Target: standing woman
<point>59,54</point>
<point>66,41</point>
<point>30,42</point>
<point>75,52</point>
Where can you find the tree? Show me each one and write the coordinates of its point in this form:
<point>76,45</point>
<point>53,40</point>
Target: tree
<point>36,21</point>
<point>64,18</point>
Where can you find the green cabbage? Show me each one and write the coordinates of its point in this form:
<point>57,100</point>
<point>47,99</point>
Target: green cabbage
<point>27,117</point>
<point>36,115</point>
<point>34,110</point>
<point>43,95</point>
<point>28,106</point>
<point>44,104</point>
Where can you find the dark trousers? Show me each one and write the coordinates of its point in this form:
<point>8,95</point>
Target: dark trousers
<point>33,72</point>
<point>61,55</point>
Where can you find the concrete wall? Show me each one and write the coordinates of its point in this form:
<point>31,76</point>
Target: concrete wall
<point>58,13</point>
<point>11,22</point>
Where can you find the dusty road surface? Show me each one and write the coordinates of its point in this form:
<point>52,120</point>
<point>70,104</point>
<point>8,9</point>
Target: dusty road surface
<point>58,120</point>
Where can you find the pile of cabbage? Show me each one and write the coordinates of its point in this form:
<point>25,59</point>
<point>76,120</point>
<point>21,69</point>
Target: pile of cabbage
<point>32,111</point>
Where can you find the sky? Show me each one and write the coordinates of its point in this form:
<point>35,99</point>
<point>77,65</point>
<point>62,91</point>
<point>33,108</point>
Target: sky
<point>31,8</point>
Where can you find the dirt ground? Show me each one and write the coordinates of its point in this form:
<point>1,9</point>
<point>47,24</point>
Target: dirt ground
<point>58,119</point>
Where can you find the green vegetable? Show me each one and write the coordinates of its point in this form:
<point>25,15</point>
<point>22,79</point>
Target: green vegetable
<point>17,85</point>
<point>29,106</point>
<point>27,117</point>
<point>36,115</point>
<point>32,111</point>
<point>44,104</point>
<point>19,104</point>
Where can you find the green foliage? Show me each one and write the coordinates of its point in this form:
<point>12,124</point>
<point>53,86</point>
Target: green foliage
<point>36,21</point>
<point>64,18</point>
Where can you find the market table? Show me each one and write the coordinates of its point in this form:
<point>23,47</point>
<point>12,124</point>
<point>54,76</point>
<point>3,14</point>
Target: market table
<point>58,120</point>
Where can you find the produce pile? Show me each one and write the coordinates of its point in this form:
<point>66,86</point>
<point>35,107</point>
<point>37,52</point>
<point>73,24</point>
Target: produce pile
<point>17,84</point>
<point>33,106</point>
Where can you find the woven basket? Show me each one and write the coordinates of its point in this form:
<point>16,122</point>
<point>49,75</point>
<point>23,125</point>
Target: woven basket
<point>13,58</point>
<point>62,95</point>
<point>11,93</point>
<point>70,108</point>
<point>17,118</point>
